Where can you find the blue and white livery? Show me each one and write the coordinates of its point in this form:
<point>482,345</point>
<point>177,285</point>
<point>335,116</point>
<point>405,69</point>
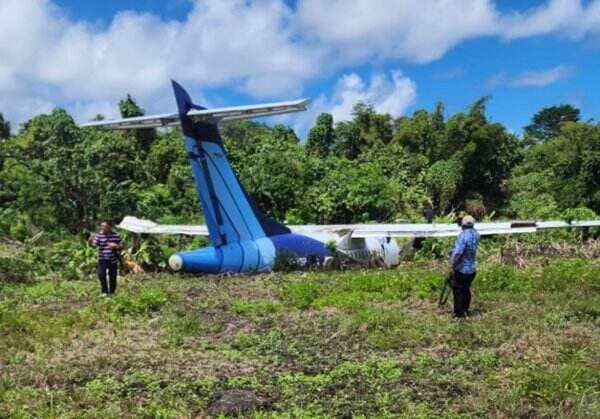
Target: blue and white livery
<point>242,238</point>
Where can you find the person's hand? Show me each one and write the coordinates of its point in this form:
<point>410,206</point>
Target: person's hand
<point>113,246</point>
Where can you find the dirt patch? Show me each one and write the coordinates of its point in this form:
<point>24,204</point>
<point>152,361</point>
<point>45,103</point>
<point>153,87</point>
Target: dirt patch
<point>237,402</point>
<point>542,347</point>
<point>116,353</point>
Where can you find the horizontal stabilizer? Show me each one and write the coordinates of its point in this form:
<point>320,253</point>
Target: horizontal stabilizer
<point>212,116</point>
<point>152,121</point>
<point>136,225</point>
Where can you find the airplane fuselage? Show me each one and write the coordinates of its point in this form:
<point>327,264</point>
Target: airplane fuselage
<point>252,255</point>
<point>300,250</point>
<point>244,239</point>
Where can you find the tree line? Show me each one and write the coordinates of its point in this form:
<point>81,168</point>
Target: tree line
<point>59,178</point>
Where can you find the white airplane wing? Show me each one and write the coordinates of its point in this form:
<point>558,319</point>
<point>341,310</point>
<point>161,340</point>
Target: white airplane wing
<point>336,231</point>
<point>214,115</point>
<point>439,230</point>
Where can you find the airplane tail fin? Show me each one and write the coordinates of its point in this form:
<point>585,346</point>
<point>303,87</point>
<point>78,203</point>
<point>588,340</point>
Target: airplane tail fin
<point>230,215</point>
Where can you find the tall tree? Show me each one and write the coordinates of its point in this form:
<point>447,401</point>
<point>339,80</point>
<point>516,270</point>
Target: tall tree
<point>130,109</point>
<point>348,142</point>
<point>321,136</point>
<point>488,153</point>
<point>421,134</point>
<point>566,168</point>
<point>442,180</point>
<point>546,123</point>
<point>375,128</point>
<point>366,130</point>
<point>4,127</point>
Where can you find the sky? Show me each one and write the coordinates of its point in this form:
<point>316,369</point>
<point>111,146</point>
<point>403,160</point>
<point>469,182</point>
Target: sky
<point>399,56</point>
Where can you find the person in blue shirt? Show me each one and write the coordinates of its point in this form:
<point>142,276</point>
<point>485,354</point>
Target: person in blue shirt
<point>463,262</point>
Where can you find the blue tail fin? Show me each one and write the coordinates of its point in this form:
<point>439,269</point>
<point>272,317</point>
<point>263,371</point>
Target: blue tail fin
<point>230,216</point>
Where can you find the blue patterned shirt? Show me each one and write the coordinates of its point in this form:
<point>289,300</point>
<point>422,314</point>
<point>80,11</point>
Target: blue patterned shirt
<point>466,245</point>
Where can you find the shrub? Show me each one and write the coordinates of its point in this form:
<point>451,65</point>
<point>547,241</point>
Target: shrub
<point>15,270</point>
<point>301,294</point>
<point>503,277</point>
<point>146,301</point>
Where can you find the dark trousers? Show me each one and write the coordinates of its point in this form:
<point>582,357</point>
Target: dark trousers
<point>461,289</point>
<point>110,266</point>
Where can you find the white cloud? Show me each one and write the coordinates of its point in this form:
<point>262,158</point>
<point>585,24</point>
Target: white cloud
<point>497,79</point>
<point>424,31</point>
<point>566,17</point>
<point>543,78</point>
<point>86,111</point>
<point>263,48</point>
<point>539,78</point>
<point>250,46</point>
<point>388,94</point>
<point>421,31</point>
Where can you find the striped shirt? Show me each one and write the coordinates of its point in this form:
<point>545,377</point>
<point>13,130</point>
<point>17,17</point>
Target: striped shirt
<point>102,240</point>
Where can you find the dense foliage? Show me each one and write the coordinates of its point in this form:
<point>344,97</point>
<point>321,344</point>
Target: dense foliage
<point>57,177</point>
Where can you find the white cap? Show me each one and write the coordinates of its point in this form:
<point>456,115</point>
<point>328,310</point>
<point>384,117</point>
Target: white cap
<point>468,221</point>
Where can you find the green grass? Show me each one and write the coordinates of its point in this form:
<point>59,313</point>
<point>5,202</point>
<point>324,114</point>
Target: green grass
<point>319,344</point>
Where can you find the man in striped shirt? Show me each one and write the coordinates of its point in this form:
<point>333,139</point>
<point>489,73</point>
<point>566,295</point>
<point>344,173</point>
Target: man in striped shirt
<point>108,243</point>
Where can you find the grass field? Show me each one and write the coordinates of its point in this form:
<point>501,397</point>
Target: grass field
<point>340,344</point>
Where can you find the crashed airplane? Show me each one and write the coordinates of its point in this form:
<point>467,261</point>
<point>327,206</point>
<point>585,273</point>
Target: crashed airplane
<point>242,238</point>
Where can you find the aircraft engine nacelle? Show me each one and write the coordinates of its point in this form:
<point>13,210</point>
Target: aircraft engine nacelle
<point>382,250</point>
<point>385,249</point>
<point>254,255</point>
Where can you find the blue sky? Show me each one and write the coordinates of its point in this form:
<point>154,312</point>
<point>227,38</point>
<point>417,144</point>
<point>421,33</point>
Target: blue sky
<point>398,55</point>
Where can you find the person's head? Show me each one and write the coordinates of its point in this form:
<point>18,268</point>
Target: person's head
<point>105,227</point>
<point>467,222</point>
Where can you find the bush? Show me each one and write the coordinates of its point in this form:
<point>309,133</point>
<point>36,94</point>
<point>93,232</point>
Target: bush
<point>433,247</point>
<point>580,213</point>
<point>301,294</point>
<point>15,270</point>
<point>504,277</point>
<point>146,301</point>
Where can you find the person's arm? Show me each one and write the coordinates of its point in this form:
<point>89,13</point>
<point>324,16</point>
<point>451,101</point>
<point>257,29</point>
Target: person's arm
<point>92,240</point>
<point>117,244</point>
<point>457,261</point>
<point>457,253</point>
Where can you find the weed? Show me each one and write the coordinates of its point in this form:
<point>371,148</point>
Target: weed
<point>182,326</point>
<point>146,301</point>
<point>301,294</point>
<point>259,308</point>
